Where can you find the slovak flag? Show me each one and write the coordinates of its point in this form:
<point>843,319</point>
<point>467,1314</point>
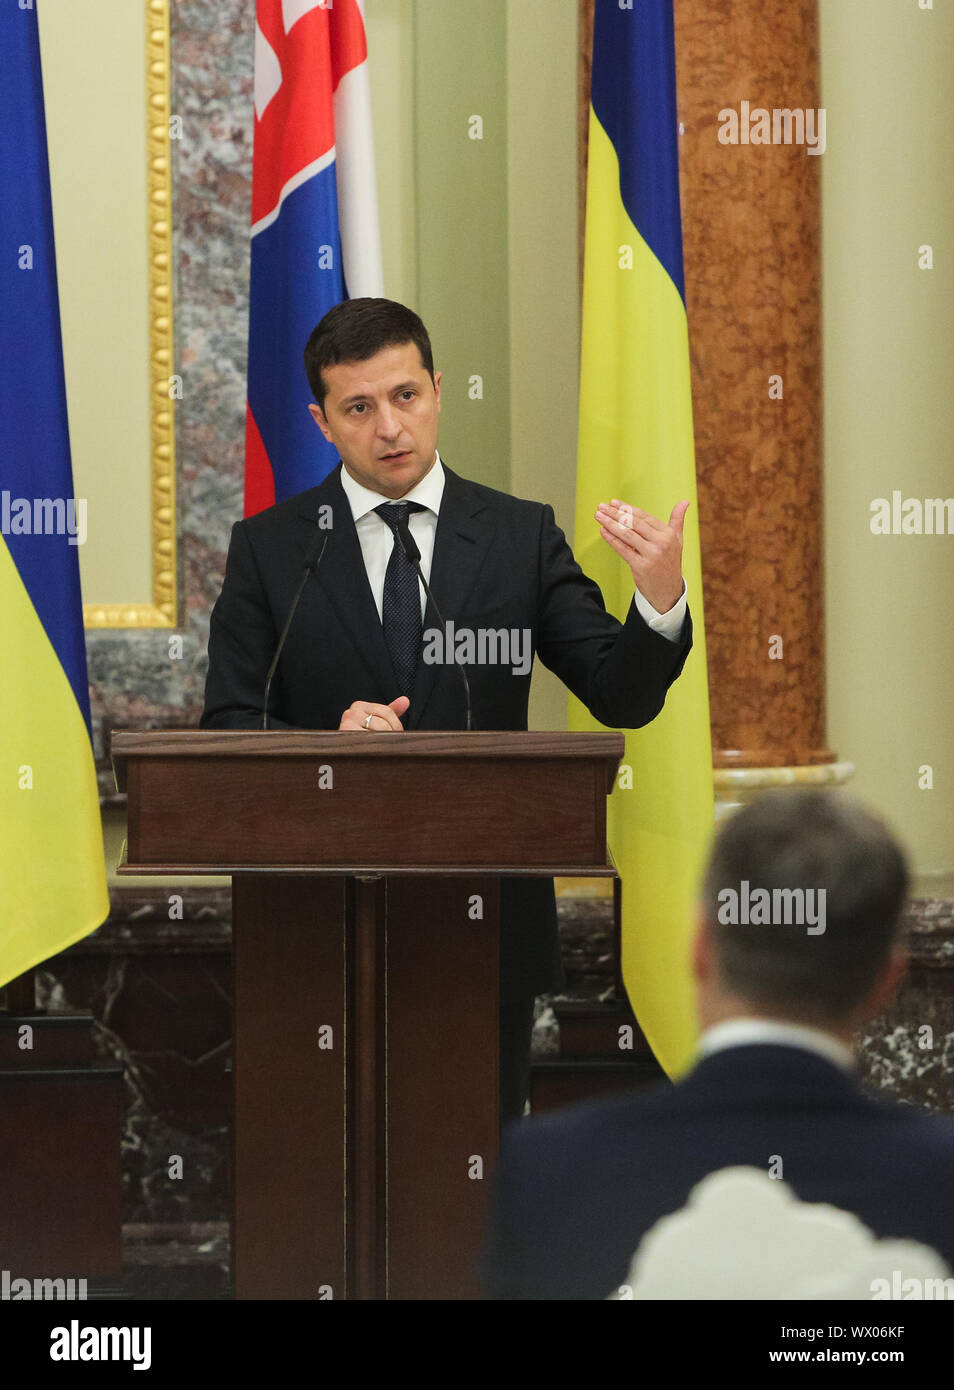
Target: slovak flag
<point>315,238</point>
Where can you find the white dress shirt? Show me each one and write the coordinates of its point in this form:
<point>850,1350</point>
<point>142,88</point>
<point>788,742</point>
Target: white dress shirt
<point>376,537</point>
<point>742,1032</point>
<point>377,541</point>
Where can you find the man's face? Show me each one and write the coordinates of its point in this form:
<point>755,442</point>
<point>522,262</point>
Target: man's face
<point>381,416</point>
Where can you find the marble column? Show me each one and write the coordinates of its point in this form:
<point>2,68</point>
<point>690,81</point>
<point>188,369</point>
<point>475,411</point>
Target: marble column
<point>752,234</point>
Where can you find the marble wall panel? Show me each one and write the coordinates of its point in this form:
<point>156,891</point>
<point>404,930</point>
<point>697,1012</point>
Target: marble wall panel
<point>133,679</point>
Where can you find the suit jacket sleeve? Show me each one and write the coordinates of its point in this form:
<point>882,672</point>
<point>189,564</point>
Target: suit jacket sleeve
<point>242,642</point>
<point>620,671</point>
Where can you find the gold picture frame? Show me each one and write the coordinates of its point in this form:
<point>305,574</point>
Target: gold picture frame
<point>163,610</point>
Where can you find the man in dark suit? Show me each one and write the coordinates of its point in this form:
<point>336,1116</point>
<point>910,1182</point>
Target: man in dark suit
<point>355,655</point>
<point>779,1003</point>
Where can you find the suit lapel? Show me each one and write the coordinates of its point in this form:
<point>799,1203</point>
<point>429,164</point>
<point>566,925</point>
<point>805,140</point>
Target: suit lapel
<point>344,579</point>
<point>465,528</point>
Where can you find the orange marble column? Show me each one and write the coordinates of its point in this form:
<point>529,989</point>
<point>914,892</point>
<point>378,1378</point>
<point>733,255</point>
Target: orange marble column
<point>751,235</point>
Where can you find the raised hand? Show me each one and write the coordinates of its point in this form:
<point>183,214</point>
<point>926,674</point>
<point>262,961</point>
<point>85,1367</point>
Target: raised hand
<point>652,548</point>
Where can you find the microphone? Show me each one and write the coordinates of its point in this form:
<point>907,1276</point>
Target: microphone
<point>414,555</point>
<point>312,561</point>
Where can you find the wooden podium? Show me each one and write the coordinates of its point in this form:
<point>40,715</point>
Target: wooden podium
<point>365,921</point>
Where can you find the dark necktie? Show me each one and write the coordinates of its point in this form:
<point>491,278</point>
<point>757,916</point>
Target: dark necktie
<point>401,614</point>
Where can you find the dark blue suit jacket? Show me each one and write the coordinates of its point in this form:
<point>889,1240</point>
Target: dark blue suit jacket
<point>576,1190</point>
<point>499,562</point>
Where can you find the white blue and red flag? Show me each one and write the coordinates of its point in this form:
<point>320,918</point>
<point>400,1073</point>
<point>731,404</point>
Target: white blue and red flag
<point>315,238</point>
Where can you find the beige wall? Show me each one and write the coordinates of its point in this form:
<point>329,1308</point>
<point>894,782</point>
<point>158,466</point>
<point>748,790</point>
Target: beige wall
<point>94,74</point>
<point>390,29</point>
<point>460,94</point>
<point>543,276</point>
<point>542,251</point>
<point>888,188</point>
<point>481,237</point>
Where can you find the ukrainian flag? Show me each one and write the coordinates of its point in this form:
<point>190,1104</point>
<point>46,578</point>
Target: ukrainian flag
<point>52,867</point>
<point>636,443</point>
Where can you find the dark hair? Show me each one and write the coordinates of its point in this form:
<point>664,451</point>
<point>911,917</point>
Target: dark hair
<point>803,838</point>
<point>355,330</point>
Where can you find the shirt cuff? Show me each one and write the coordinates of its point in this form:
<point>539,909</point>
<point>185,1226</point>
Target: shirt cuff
<point>668,625</point>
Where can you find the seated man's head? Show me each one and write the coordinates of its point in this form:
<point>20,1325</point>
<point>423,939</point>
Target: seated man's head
<point>370,368</point>
<point>800,914</point>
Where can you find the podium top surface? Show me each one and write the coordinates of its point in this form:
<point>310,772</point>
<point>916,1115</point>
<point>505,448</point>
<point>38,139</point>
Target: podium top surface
<point>319,743</point>
<point>289,801</point>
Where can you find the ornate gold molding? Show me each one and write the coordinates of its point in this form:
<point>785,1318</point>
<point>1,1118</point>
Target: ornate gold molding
<point>162,612</point>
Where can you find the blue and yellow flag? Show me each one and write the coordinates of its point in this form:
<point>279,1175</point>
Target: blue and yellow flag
<point>636,443</point>
<point>52,868</point>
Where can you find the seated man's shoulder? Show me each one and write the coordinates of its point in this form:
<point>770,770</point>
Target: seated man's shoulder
<point>580,1127</point>
<point>908,1124</point>
<point>644,1116</point>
